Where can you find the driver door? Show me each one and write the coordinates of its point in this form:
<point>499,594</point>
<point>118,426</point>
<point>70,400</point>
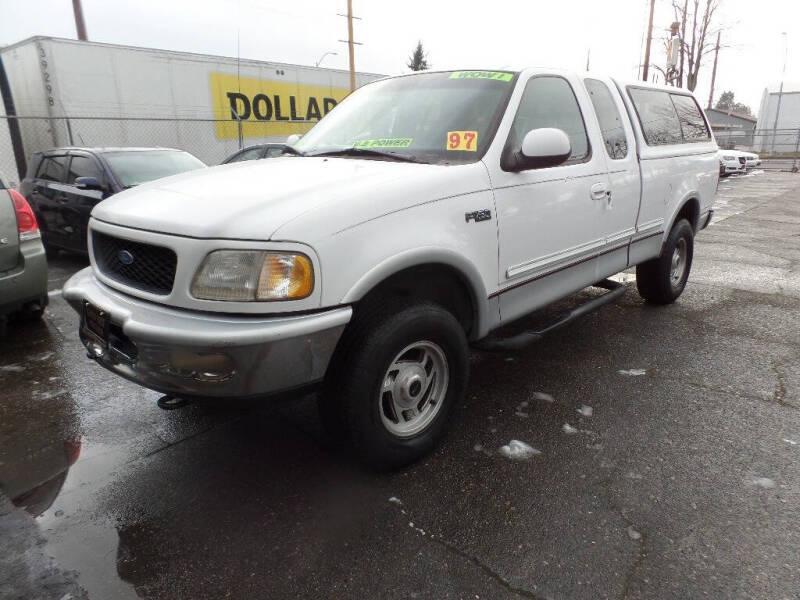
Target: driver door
<point>549,218</point>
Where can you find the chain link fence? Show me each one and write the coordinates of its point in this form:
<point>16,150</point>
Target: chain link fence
<point>210,140</point>
<point>778,149</point>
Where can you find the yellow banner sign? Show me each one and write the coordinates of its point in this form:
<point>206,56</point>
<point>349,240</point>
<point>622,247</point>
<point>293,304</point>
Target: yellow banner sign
<point>268,108</point>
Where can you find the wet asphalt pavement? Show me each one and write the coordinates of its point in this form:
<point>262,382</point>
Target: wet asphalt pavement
<point>678,478</point>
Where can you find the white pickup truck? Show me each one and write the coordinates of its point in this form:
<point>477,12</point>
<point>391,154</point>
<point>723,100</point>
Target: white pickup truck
<point>420,215</point>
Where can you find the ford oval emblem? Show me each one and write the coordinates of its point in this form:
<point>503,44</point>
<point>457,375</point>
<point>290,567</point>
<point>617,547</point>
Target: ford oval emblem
<point>125,257</point>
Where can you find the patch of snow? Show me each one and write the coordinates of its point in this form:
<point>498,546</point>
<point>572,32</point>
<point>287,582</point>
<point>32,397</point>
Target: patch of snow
<point>523,404</point>
<point>764,482</point>
<point>522,415</point>
<point>568,429</point>
<point>477,447</point>
<point>42,357</point>
<point>790,442</point>
<point>542,396</point>
<point>396,500</point>
<point>633,534</point>
<point>516,450</point>
<point>632,475</point>
<point>585,411</point>
<point>11,369</point>
<point>632,372</point>
<point>510,359</point>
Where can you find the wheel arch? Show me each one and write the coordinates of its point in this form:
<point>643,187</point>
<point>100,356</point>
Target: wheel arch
<point>409,271</point>
<point>688,208</point>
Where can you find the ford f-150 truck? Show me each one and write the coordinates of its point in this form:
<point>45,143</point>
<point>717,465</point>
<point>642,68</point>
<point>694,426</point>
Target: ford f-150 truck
<point>421,214</point>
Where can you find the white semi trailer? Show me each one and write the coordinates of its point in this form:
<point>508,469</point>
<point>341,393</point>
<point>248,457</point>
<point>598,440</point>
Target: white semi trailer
<point>94,94</point>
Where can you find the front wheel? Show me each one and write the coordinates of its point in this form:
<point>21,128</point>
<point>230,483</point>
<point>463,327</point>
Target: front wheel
<point>662,280</point>
<point>394,379</point>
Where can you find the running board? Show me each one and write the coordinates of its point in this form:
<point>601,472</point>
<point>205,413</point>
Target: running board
<point>526,338</point>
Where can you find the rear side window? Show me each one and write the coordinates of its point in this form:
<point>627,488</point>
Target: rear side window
<point>550,102</point>
<point>83,166</point>
<point>657,116</point>
<point>609,118</point>
<point>52,168</point>
<point>693,125</point>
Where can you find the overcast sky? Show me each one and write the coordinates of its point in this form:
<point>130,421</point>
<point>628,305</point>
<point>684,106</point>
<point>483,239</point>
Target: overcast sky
<point>456,34</point>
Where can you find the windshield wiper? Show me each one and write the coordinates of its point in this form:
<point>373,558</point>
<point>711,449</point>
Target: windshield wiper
<point>368,152</point>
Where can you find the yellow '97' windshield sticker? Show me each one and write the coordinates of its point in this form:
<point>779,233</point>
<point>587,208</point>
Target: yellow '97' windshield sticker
<point>462,140</point>
<point>496,75</point>
<point>384,143</point>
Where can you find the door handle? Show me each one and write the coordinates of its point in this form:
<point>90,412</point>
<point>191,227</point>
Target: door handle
<point>599,191</point>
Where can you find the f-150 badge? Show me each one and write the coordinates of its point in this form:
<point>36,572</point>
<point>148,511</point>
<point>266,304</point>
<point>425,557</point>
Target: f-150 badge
<point>478,215</point>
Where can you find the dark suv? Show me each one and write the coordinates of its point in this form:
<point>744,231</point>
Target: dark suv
<point>64,184</point>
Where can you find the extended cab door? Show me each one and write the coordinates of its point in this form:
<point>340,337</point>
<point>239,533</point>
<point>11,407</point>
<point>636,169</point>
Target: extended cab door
<point>550,219</point>
<point>618,221</point>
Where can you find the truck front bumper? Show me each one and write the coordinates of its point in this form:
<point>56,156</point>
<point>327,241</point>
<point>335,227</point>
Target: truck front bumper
<point>196,354</point>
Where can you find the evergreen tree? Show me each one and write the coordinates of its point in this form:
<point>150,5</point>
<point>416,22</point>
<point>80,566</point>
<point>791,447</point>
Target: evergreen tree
<point>726,102</point>
<point>418,61</point>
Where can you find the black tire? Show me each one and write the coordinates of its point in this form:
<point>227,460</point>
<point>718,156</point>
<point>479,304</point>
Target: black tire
<point>655,279</point>
<point>33,311</point>
<point>353,405</point>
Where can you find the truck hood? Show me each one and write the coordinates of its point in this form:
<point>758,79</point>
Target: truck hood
<point>252,200</point>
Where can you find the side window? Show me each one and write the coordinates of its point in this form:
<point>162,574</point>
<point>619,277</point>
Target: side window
<point>609,118</point>
<point>83,166</point>
<point>251,154</point>
<point>657,116</point>
<point>693,125</point>
<point>550,102</point>
<point>52,168</point>
<point>274,152</point>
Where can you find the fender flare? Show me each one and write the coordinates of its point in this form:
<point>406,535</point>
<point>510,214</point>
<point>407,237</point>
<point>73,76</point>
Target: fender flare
<point>691,195</point>
<point>429,255</point>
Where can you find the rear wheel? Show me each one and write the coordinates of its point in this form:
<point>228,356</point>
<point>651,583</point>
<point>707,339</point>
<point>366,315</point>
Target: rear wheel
<point>662,280</point>
<point>396,375</point>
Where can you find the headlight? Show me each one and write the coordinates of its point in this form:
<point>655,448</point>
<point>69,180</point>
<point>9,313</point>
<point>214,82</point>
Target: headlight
<point>729,158</point>
<point>252,275</point>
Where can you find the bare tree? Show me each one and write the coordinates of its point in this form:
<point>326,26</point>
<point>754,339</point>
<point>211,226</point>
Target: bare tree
<point>698,29</point>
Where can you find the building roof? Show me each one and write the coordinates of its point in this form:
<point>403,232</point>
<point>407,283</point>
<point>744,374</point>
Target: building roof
<point>730,113</point>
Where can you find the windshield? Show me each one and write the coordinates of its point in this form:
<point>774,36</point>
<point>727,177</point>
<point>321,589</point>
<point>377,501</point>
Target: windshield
<point>443,118</point>
<point>135,167</point>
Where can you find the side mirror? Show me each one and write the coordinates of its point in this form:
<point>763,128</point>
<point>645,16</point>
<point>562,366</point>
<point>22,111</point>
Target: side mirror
<point>545,147</point>
<point>88,183</point>
<point>293,139</point>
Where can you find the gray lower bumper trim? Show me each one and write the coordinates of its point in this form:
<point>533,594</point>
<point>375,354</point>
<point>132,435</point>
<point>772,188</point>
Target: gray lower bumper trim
<point>212,355</point>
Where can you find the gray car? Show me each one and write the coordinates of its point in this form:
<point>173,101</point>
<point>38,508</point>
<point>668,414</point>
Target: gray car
<point>23,266</point>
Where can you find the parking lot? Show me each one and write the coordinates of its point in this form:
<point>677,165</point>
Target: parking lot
<point>668,461</point>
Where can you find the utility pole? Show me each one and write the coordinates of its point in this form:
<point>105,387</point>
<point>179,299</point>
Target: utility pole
<point>714,72</point>
<point>350,43</point>
<point>80,25</point>
<point>649,40</point>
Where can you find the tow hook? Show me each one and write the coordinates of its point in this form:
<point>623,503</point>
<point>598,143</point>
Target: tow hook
<point>170,402</point>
